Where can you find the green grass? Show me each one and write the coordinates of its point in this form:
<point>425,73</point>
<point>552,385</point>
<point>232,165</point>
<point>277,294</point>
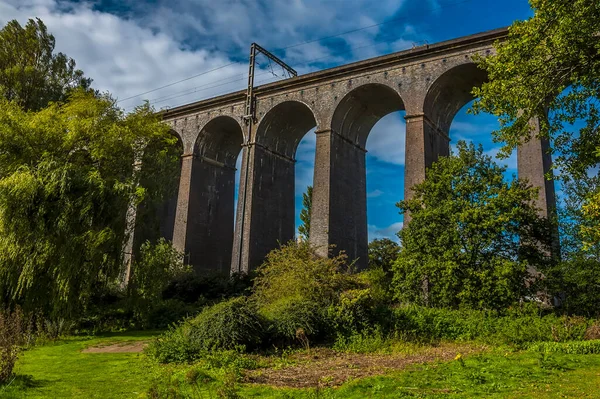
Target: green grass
<point>511,375</point>
<point>60,370</point>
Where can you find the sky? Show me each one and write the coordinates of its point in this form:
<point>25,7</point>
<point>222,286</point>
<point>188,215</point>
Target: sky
<point>131,48</point>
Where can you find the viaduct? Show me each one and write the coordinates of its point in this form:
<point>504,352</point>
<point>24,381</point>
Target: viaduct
<point>431,83</point>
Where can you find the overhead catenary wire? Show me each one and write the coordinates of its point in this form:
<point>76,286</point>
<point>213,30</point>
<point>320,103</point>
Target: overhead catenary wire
<point>361,45</point>
<point>293,46</point>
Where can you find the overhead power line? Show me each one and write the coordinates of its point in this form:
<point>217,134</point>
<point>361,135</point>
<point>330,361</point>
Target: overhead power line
<point>296,45</point>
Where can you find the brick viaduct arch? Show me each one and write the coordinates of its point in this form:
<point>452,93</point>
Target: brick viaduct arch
<point>431,83</point>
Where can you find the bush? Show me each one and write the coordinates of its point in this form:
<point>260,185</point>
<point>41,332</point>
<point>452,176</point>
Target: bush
<point>11,336</point>
<point>157,265</point>
<point>227,325</point>
<point>294,271</point>
<point>289,315</point>
<point>570,348</point>
<point>520,326</point>
<point>357,311</point>
<point>190,288</point>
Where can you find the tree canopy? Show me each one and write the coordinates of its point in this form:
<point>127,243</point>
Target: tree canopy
<point>66,181</point>
<point>31,74</point>
<point>472,236</point>
<point>549,68</point>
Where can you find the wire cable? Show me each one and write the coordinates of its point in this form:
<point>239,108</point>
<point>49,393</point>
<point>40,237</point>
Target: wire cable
<point>293,46</point>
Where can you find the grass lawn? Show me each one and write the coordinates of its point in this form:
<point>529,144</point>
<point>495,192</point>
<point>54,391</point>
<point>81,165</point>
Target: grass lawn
<point>62,370</point>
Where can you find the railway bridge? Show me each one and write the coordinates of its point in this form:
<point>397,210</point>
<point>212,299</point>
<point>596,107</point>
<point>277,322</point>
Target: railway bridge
<point>430,83</point>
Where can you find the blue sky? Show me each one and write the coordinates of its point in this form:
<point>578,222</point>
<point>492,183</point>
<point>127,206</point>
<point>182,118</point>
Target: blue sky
<point>134,46</point>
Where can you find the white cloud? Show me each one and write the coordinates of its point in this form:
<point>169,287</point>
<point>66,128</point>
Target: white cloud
<point>139,46</point>
<point>390,231</point>
<point>375,194</point>
<point>387,139</point>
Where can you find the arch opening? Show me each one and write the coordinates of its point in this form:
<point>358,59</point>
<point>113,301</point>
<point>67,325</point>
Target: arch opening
<point>355,117</point>
<point>450,92</point>
<point>211,210</point>
<point>385,176</point>
<point>362,108</point>
<point>273,177</point>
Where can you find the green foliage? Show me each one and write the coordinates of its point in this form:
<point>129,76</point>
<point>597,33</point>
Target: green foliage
<point>294,288</point>
<point>304,228</point>
<point>382,254</point>
<point>11,336</point>
<point>231,324</point>
<point>577,283</point>
<point>294,271</point>
<point>190,288</point>
<point>30,73</point>
<point>571,348</point>
<point>520,326</point>
<point>289,315</point>
<point>471,238</point>
<point>66,182</point>
<point>356,311</point>
<point>156,266</point>
<point>549,68</point>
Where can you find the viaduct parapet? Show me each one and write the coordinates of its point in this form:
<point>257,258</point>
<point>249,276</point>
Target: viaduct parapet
<point>430,83</point>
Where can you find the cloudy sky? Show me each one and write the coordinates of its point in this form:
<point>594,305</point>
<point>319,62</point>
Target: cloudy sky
<point>134,47</point>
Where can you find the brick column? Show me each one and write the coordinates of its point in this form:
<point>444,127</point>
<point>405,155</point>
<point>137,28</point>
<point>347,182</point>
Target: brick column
<point>183,199</point>
<point>267,219</point>
<point>534,163</point>
<point>339,202</point>
<point>424,144</point>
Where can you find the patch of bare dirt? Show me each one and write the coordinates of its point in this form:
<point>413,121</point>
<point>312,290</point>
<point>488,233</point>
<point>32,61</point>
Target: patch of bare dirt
<point>121,347</point>
<point>327,368</point>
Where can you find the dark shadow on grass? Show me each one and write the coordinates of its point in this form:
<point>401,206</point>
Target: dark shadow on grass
<point>18,384</point>
<point>133,334</point>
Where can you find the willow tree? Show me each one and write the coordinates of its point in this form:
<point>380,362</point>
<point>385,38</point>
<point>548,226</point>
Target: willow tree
<point>66,180</point>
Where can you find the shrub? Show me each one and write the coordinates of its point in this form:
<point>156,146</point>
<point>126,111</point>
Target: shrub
<point>571,348</point>
<point>356,311</point>
<point>294,271</point>
<point>520,326</point>
<point>175,345</point>
<point>190,288</point>
<point>227,325</point>
<point>288,315</point>
<point>157,265</point>
<point>11,336</point>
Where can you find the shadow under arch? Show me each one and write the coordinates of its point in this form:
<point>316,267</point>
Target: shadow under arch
<point>210,215</point>
<point>155,216</point>
<point>450,92</point>
<point>267,219</point>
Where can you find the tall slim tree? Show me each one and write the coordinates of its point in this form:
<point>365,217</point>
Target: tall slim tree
<point>304,228</point>
<point>31,74</point>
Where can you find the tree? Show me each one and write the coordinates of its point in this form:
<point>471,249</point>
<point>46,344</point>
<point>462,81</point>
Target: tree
<point>30,73</point>
<point>472,236</point>
<point>304,228</point>
<point>66,180</point>
<point>549,68</point>
<point>382,254</point>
